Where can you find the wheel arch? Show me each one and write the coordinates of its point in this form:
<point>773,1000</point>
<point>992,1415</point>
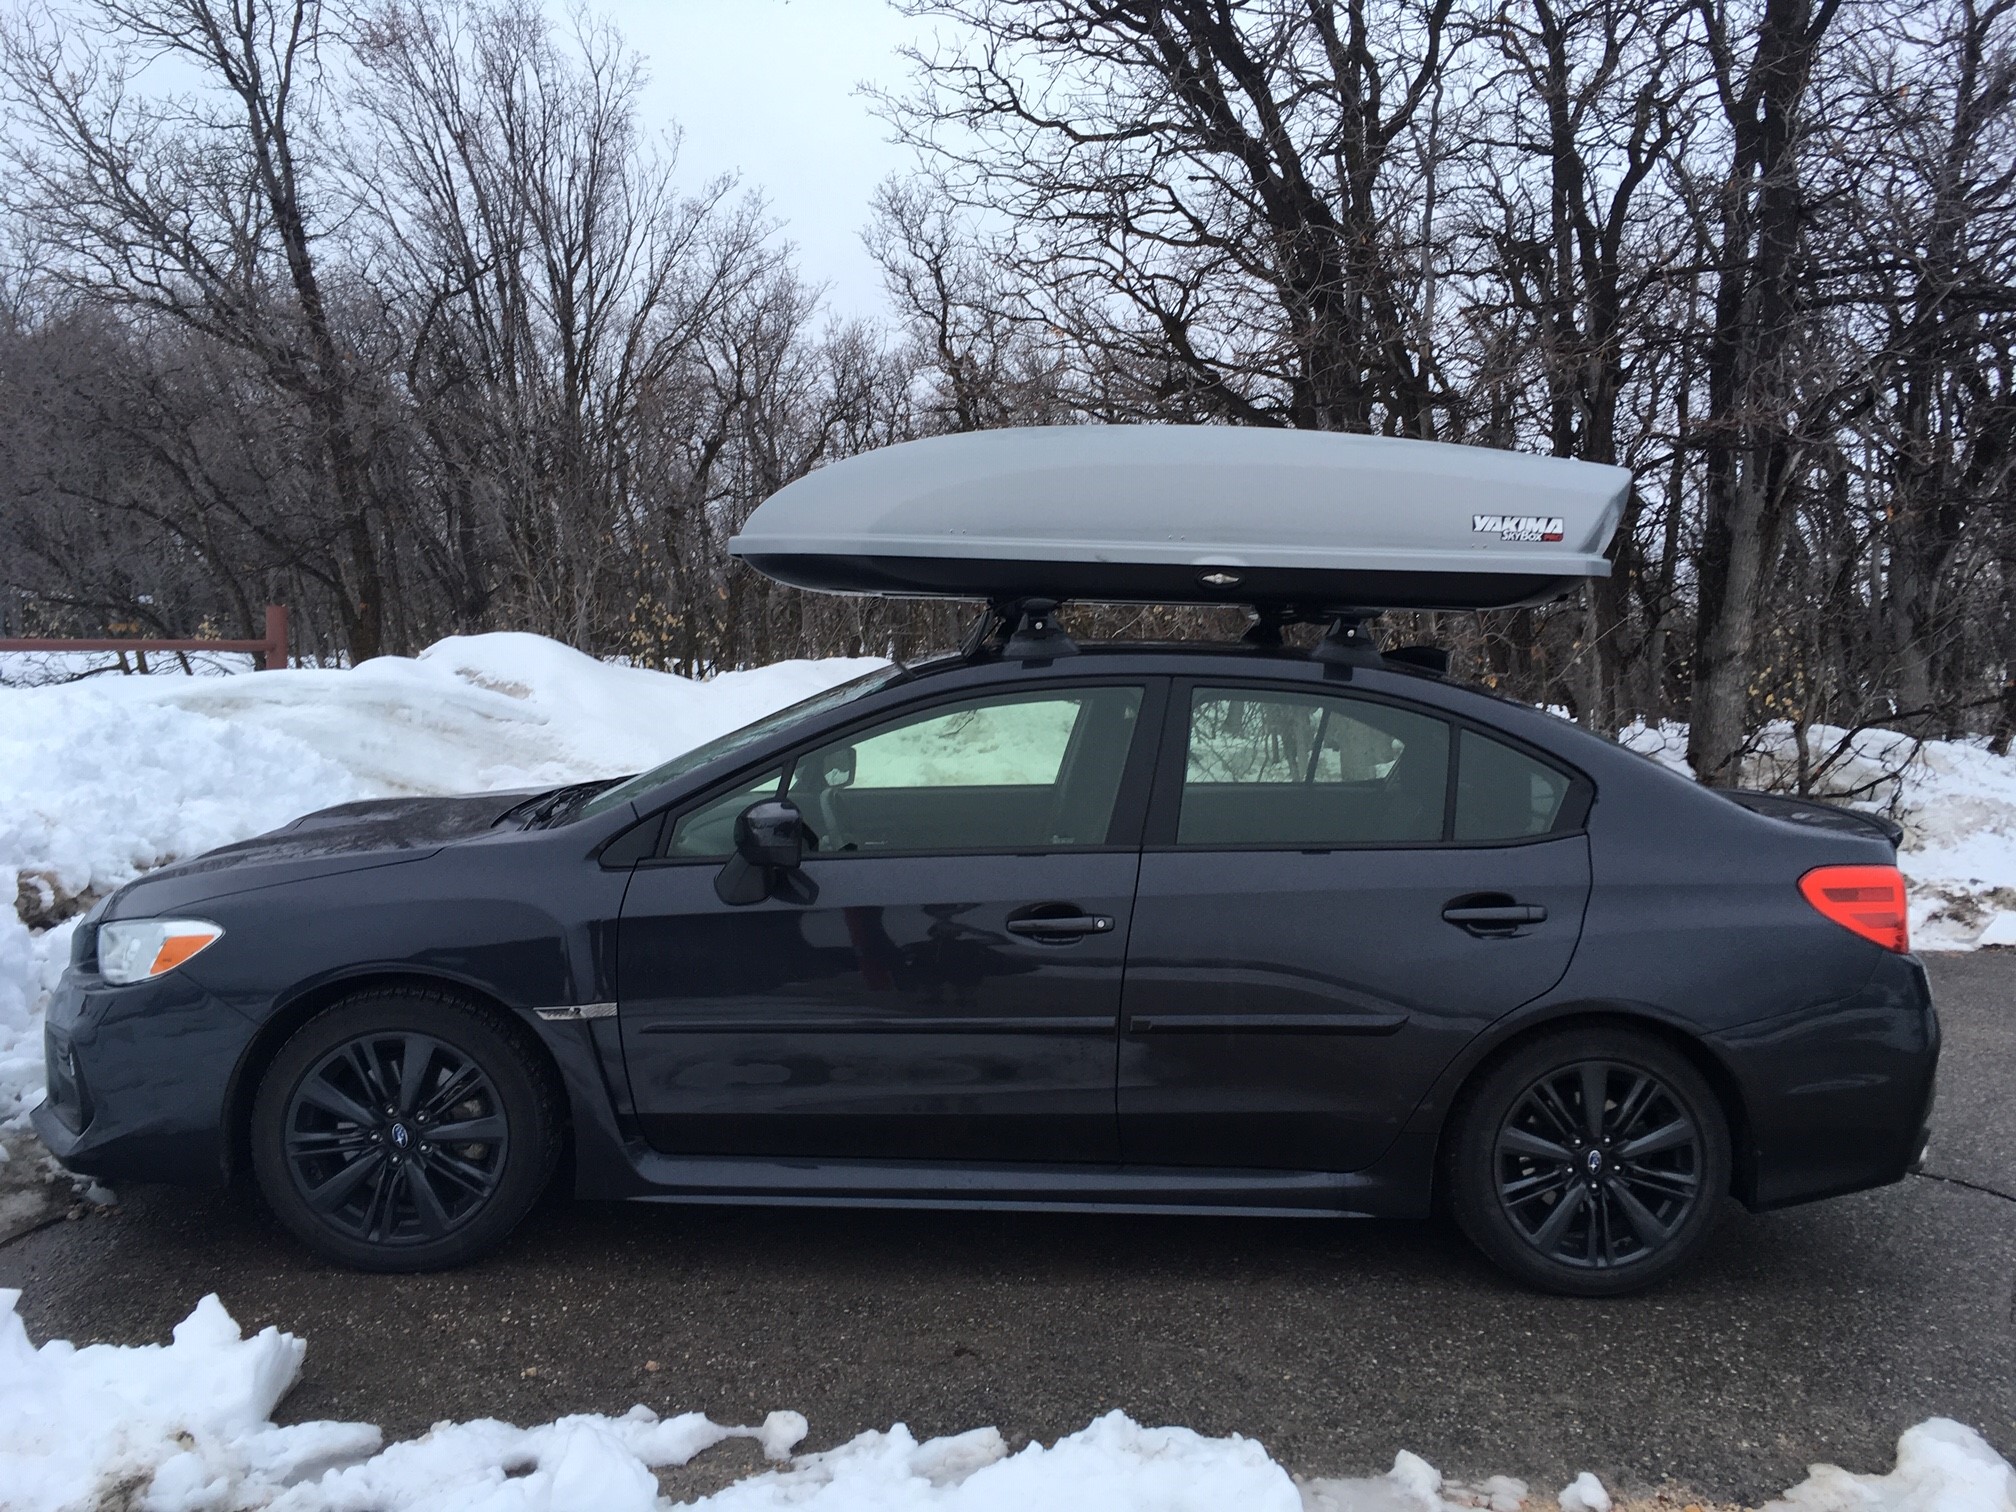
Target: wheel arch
<point>1721,1079</point>
<point>291,1012</point>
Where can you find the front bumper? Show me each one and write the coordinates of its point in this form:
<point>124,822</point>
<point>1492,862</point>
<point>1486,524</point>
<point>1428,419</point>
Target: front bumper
<point>139,1079</point>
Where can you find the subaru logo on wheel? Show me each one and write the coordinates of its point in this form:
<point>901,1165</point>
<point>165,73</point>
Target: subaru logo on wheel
<point>399,1135</point>
<point>1594,1159</point>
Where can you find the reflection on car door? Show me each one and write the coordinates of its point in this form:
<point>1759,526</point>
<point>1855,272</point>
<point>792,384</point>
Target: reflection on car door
<point>1336,894</point>
<point>943,981</point>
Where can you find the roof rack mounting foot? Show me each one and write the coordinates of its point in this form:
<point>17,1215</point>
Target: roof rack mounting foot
<point>1347,644</point>
<point>1037,636</point>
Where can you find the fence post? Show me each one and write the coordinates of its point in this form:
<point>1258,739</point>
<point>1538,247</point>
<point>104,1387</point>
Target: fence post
<point>274,658</point>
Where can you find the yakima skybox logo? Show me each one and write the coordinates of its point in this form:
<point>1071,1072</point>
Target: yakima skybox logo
<point>1518,527</point>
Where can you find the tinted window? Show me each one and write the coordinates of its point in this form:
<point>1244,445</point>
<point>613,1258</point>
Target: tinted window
<point>1503,794</point>
<point>1024,771</point>
<point>709,830</point>
<point>1310,769</point>
<point>735,740</point>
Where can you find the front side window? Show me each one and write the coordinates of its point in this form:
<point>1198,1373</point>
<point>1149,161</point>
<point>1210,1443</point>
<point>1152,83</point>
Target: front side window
<point>1032,771</point>
<point>709,830</point>
<point>1265,767</point>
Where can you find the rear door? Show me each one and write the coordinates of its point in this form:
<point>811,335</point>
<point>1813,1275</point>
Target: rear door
<point>1338,891</point>
<point>942,978</point>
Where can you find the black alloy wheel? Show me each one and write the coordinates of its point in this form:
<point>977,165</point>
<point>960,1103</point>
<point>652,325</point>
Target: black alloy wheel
<point>404,1130</point>
<point>396,1138</point>
<point>1598,1165</point>
<point>1592,1162</point>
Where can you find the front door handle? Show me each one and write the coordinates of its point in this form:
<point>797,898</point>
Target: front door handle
<point>1493,918</point>
<point>1067,926</point>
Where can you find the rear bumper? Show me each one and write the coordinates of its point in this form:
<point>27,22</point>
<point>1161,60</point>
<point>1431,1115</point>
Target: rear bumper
<point>1837,1098</point>
<point>137,1079</point>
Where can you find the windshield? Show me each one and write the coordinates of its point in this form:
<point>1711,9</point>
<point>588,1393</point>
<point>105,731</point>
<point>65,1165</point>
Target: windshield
<point>736,740</point>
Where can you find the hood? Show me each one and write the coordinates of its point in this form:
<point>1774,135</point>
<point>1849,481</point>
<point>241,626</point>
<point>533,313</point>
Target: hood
<point>349,837</point>
<point>372,826</point>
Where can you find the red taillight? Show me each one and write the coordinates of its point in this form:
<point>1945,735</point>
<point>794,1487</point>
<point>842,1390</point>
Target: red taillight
<point>1866,899</point>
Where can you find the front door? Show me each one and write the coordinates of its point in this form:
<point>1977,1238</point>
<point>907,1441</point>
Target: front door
<point>942,979</point>
<point>1337,894</point>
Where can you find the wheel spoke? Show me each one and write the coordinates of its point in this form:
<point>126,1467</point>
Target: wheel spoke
<point>324,1094</point>
<point>1547,1237</point>
<point>1595,1083</point>
<point>1651,1232</point>
<point>364,1061</point>
<point>485,1130</point>
<point>416,1055</point>
<point>1680,1184</point>
<point>1548,1101</point>
<point>1517,1141</point>
<point>1666,1137</point>
<point>426,1201</point>
<point>1530,1187</point>
<point>1631,1106</point>
<point>332,1193</point>
<point>311,1142</point>
<point>462,1082</point>
<point>475,1178</point>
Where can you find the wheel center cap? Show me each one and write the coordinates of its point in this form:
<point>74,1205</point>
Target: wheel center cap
<point>400,1136</point>
<point>1593,1160</point>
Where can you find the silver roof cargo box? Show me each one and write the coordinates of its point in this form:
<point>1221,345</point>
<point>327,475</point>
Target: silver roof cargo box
<point>1193,514</point>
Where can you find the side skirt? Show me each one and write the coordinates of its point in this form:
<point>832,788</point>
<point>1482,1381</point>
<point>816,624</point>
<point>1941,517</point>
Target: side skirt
<point>762,1181</point>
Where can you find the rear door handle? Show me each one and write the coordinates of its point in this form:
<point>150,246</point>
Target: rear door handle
<point>1493,918</point>
<point>1066,927</point>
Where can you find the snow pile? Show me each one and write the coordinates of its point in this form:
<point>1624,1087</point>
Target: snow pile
<point>187,1427</point>
<point>1956,800</point>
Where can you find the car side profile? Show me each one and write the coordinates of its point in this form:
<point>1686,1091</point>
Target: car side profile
<point>1229,929</point>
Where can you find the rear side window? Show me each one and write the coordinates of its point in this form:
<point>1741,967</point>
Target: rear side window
<point>1504,794</point>
<point>1267,767</point>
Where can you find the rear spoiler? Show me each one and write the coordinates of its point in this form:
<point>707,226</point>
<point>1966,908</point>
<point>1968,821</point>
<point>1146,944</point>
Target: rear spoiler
<point>1817,813</point>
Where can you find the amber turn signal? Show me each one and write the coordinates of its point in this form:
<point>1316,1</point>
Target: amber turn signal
<point>1867,899</point>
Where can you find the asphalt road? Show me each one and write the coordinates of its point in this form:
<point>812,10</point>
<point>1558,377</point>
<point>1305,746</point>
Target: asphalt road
<point>1814,1334</point>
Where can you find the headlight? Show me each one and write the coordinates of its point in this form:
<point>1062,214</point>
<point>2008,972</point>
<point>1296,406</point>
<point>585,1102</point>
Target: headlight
<point>132,950</point>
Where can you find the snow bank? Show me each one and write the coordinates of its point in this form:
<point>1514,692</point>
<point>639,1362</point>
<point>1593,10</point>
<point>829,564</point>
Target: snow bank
<point>101,780</point>
<point>187,1427</point>
<point>1955,798</point>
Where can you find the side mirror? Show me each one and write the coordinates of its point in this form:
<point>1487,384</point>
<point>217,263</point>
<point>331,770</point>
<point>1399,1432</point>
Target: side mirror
<point>771,833</point>
<point>769,838</point>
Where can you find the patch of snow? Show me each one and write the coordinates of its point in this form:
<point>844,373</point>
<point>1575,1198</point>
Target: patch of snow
<point>187,1427</point>
<point>1942,1466</point>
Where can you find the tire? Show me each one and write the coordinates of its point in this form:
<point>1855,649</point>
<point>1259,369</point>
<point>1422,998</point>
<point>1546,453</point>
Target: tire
<point>364,1181</point>
<point>1641,1195</point>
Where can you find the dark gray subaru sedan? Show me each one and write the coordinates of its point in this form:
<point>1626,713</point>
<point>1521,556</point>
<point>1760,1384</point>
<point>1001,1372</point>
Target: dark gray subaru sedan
<point>1231,929</point>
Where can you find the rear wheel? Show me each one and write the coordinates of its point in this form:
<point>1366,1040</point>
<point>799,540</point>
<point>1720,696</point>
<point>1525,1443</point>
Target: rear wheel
<point>403,1131</point>
<point>1590,1162</point>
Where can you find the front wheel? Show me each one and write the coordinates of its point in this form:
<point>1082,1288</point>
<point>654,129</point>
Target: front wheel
<point>1590,1162</point>
<point>403,1131</point>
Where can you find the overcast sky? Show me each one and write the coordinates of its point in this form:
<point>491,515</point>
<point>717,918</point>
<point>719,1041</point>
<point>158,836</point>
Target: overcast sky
<point>766,89</point>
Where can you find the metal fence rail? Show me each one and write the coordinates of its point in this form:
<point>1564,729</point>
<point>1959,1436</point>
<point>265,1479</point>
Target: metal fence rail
<point>271,649</point>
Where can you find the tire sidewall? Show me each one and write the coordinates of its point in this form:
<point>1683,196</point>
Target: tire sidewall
<point>527,1105</point>
<point>1470,1172</point>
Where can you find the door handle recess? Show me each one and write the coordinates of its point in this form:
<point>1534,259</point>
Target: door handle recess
<point>1494,918</point>
<point>1068,925</point>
